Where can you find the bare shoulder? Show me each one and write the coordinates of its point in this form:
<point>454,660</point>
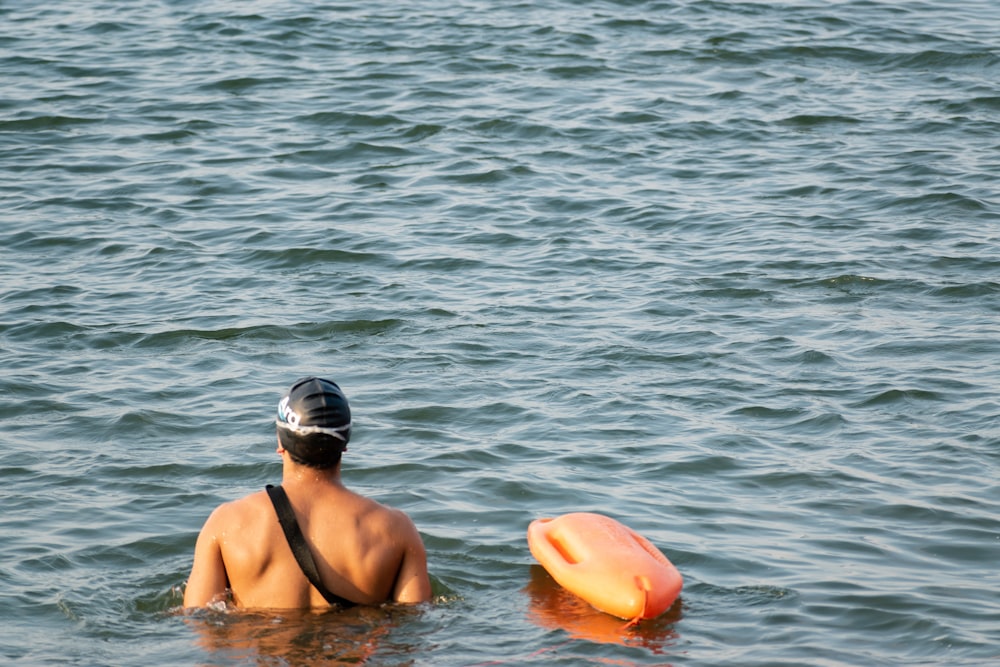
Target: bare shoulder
<point>250,503</point>
<point>396,521</point>
<point>237,512</point>
<point>384,512</point>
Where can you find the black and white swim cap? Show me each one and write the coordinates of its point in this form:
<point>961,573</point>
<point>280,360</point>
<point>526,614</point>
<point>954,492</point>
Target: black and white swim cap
<point>314,407</point>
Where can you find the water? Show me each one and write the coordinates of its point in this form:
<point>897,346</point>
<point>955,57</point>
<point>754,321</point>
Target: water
<point>726,271</point>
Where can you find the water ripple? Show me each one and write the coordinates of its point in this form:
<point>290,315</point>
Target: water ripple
<point>725,271</point>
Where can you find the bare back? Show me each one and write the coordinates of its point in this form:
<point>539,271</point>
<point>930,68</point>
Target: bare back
<point>364,551</point>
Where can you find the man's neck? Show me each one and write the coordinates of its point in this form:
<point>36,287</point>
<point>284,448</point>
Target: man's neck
<point>297,475</point>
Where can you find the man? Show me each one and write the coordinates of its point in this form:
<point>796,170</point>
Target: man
<point>310,542</point>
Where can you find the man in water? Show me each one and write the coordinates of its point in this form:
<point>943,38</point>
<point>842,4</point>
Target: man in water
<point>310,542</point>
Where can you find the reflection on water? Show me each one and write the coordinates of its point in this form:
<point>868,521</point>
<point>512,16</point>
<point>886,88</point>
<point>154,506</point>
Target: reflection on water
<point>731,262</point>
<point>553,607</point>
<point>293,637</point>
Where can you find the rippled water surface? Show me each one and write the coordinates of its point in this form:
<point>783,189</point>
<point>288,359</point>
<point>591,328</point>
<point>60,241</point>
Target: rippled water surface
<point>728,272</point>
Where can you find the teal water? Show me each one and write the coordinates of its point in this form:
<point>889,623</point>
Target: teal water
<point>728,272</point>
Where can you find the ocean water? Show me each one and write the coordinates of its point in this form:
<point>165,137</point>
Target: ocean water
<point>727,271</point>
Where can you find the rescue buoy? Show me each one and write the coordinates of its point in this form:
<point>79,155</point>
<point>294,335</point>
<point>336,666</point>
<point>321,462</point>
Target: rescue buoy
<point>614,568</point>
<point>552,607</point>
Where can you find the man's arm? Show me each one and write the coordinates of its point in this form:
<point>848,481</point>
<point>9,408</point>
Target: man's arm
<point>413,584</point>
<point>208,581</point>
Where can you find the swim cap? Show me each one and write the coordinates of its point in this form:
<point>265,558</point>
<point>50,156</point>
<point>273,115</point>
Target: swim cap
<point>316,413</point>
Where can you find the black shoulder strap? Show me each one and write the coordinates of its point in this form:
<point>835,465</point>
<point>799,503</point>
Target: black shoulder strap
<point>297,541</point>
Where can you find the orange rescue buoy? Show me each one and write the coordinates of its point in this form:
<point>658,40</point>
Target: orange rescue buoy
<point>609,565</point>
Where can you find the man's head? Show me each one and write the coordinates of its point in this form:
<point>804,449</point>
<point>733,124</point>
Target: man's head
<point>314,422</point>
